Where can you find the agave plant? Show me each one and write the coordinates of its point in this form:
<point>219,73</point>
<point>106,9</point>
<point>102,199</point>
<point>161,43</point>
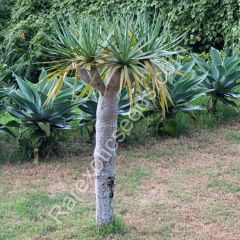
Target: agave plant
<point>184,87</point>
<point>111,54</point>
<point>5,131</point>
<point>222,79</point>
<point>40,119</point>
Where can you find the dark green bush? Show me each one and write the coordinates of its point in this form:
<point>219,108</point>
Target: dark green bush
<point>5,12</point>
<point>38,122</point>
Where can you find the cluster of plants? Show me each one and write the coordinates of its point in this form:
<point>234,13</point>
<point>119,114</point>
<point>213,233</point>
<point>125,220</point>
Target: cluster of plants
<point>218,79</point>
<point>38,120</point>
<point>130,61</point>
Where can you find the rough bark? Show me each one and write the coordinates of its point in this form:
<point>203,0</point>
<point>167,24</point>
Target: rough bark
<point>93,76</point>
<point>105,150</point>
<point>212,108</point>
<point>105,157</point>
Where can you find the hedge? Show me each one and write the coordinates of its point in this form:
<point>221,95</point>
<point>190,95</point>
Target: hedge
<point>208,23</point>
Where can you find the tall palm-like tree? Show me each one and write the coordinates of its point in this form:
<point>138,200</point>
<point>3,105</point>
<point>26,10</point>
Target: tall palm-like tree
<point>111,54</point>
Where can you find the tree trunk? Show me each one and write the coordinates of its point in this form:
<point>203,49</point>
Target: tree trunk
<point>212,105</point>
<point>105,157</point>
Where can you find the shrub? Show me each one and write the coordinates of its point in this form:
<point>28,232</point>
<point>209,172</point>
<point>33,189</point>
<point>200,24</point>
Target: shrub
<point>222,79</point>
<point>3,129</point>
<point>184,87</point>
<point>40,119</point>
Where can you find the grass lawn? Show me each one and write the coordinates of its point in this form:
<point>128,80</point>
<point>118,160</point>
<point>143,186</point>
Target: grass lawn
<point>186,188</point>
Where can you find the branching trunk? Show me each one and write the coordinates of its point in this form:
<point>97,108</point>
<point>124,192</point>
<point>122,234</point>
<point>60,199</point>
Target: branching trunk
<point>105,157</point>
<point>212,108</point>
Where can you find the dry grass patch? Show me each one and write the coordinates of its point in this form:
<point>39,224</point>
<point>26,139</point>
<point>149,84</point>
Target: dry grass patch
<point>172,189</point>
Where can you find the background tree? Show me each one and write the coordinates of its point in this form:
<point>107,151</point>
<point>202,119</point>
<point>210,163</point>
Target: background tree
<point>109,55</point>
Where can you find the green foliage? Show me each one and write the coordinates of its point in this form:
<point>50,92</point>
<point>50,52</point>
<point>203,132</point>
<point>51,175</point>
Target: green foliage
<point>222,78</point>
<point>15,57</point>
<point>224,186</point>
<point>118,226</point>
<point>4,130</point>
<point>88,106</point>
<point>75,41</point>
<point>38,118</point>
<point>5,13</point>
<point>184,87</point>
<point>89,109</point>
<point>126,52</point>
<point>208,23</point>
<point>233,137</point>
